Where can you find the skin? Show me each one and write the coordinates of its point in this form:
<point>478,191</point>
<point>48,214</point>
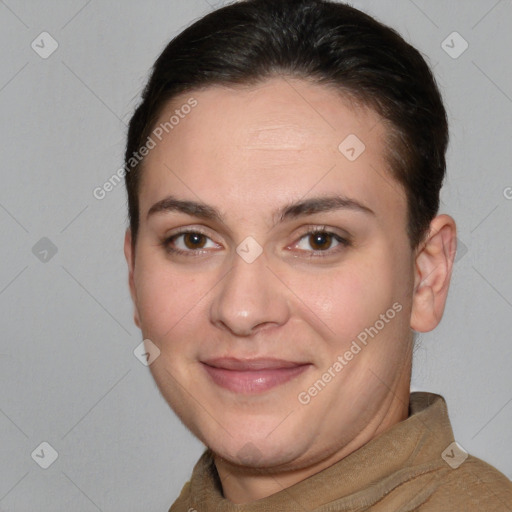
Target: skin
<point>249,151</point>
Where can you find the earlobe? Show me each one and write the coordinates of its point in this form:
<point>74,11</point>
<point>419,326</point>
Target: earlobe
<point>433,270</point>
<point>130,260</point>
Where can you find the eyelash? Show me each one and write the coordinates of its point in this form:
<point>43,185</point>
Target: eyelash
<point>343,243</point>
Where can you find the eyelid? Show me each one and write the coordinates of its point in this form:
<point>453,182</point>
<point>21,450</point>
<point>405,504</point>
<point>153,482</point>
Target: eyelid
<point>188,229</point>
<point>324,228</point>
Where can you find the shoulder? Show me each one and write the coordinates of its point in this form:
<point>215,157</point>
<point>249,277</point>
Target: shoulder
<point>473,486</point>
<point>182,503</point>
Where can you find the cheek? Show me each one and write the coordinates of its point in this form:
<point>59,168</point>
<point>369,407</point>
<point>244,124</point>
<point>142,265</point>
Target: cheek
<point>165,297</point>
<point>352,298</point>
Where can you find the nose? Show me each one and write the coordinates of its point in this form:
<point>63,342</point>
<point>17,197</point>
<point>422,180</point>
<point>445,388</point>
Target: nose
<point>249,298</point>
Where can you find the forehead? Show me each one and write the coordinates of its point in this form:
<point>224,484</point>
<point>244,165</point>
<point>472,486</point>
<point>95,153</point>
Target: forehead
<point>279,114</point>
<point>283,139</point>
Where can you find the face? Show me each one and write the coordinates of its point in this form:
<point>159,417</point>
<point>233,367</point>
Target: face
<point>274,273</point>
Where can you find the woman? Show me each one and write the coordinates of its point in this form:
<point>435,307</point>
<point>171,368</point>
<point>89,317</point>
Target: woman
<point>283,174</point>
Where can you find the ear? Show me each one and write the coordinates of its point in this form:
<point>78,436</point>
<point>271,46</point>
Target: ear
<point>129,254</point>
<point>433,270</point>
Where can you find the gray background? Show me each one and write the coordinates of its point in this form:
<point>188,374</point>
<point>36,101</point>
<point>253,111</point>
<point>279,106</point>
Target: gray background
<point>67,370</point>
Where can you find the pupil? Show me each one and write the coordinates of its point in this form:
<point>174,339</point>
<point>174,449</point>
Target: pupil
<point>320,240</point>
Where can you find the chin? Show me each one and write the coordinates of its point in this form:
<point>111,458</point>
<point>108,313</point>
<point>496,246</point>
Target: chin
<point>258,452</point>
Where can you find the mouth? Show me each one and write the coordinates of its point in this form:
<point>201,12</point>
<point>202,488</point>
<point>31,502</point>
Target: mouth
<point>251,376</point>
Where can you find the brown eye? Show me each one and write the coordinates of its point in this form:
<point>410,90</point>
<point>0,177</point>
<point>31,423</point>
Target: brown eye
<point>320,241</point>
<point>190,243</point>
<point>194,240</point>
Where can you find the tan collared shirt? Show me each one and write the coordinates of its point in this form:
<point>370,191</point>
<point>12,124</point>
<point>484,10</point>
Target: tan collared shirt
<point>413,466</point>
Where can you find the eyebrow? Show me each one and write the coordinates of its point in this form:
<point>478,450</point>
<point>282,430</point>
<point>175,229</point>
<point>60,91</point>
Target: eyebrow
<point>287,212</point>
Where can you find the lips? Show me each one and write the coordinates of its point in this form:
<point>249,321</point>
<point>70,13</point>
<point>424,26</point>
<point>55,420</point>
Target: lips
<point>249,376</point>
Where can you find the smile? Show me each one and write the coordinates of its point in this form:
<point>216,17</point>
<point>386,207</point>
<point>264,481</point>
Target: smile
<point>252,375</point>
